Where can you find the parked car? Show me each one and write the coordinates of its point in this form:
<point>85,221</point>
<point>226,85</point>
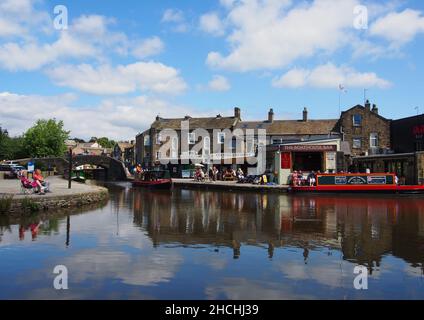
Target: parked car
<point>12,171</point>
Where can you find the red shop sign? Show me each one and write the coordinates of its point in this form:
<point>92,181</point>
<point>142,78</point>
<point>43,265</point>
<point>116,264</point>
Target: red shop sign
<point>285,160</point>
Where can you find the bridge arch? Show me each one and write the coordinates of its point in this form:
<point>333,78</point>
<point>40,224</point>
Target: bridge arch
<point>115,169</point>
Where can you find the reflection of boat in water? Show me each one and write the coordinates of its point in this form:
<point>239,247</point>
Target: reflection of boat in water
<point>78,176</point>
<point>358,183</point>
<point>158,179</point>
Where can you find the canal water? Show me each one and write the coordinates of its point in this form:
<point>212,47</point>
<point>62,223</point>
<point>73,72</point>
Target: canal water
<point>192,244</point>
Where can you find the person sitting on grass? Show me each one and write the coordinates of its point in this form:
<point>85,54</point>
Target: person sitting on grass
<point>41,182</point>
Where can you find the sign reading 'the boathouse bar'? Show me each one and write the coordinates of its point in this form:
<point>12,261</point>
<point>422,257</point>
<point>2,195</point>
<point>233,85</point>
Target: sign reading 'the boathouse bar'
<point>308,148</point>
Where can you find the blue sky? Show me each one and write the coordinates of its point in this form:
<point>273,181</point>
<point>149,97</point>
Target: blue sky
<point>120,63</point>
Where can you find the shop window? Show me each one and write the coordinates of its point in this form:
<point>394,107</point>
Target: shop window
<point>374,140</point>
<point>357,120</point>
<point>357,143</point>
<point>191,138</point>
<point>221,137</point>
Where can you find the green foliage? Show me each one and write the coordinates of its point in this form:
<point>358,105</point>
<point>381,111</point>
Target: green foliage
<point>11,148</point>
<point>5,203</point>
<point>46,139</point>
<point>29,205</point>
<point>106,143</point>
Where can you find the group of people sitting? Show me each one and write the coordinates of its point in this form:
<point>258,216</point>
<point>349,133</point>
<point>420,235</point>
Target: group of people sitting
<point>213,174</point>
<point>38,184</point>
<point>299,179</point>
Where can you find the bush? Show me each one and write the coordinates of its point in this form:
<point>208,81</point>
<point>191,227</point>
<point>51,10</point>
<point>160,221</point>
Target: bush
<point>29,205</point>
<point>5,203</point>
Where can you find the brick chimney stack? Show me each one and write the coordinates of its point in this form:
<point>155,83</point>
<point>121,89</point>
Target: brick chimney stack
<point>374,109</point>
<point>237,113</point>
<point>305,114</point>
<point>367,105</point>
<point>271,115</point>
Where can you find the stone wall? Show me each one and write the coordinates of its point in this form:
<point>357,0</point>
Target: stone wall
<point>47,203</point>
<point>371,123</point>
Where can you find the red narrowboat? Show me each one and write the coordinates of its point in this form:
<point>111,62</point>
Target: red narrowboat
<point>158,179</point>
<point>358,183</point>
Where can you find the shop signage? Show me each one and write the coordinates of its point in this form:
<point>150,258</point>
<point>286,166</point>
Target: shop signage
<point>30,167</point>
<point>418,130</point>
<point>285,160</point>
<point>308,148</point>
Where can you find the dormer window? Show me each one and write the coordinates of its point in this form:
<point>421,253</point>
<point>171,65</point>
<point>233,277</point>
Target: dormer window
<point>357,120</point>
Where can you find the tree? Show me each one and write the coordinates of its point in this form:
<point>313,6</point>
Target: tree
<point>105,142</point>
<point>78,140</point>
<point>11,147</point>
<point>46,139</point>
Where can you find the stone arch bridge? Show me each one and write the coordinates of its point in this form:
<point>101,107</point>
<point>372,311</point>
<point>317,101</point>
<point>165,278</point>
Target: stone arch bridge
<point>114,169</point>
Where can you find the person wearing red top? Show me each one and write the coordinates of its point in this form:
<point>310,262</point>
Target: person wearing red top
<point>41,182</point>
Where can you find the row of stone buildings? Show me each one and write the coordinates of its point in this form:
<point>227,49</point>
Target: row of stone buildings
<point>360,139</point>
<point>123,151</point>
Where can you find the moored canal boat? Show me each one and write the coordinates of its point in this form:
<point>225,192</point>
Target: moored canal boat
<point>158,179</point>
<point>358,183</point>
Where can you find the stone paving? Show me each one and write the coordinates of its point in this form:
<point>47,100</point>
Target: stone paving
<point>58,187</point>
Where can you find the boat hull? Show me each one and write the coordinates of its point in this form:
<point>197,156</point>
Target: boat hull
<point>391,189</point>
<point>158,184</point>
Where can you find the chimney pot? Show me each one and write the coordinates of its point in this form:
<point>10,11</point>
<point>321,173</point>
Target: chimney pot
<point>305,114</point>
<point>237,112</point>
<point>374,109</point>
<point>367,105</point>
<point>271,115</point>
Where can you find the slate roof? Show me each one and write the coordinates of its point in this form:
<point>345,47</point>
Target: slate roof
<point>292,127</point>
<point>194,123</point>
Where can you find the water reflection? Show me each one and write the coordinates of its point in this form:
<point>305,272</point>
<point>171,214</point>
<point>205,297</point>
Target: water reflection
<point>219,245</point>
<point>364,229</point>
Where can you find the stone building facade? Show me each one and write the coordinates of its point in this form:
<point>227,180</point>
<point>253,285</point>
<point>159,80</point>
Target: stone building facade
<point>149,142</point>
<point>365,130</point>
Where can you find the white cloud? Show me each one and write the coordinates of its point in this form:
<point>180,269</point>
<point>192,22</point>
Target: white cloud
<point>177,19</point>
<point>172,15</point>
<point>329,76</point>
<point>87,37</point>
<point>105,79</point>
<point>118,118</point>
<point>219,83</point>
<point>272,34</point>
<point>148,47</point>
<point>18,18</point>
<point>211,23</point>
<point>399,27</point>
<point>32,56</point>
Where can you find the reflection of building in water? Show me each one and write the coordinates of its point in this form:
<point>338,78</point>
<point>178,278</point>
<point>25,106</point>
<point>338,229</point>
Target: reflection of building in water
<point>364,229</point>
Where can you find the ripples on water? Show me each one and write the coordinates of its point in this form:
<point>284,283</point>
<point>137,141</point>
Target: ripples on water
<point>185,244</point>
